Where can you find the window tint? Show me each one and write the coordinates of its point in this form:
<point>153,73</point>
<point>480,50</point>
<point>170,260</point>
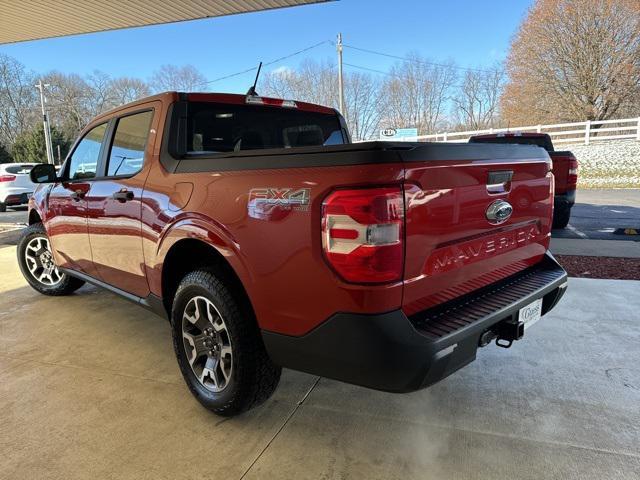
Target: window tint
<point>215,128</point>
<point>84,159</point>
<point>19,169</point>
<point>129,142</point>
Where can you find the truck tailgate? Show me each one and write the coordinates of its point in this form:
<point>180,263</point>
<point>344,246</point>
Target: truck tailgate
<point>454,242</point>
<point>565,178</point>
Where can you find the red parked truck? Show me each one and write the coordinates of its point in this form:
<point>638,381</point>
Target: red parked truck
<point>565,169</point>
<point>269,241</point>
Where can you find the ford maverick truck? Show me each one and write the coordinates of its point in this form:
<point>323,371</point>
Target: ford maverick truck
<point>565,169</point>
<point>269,240</point>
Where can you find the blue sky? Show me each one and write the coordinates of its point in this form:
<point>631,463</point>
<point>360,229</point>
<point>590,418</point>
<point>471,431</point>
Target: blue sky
<point>473,33</point>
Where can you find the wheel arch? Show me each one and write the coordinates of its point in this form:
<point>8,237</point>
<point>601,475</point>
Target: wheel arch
<point>34,217</point>
<point>194,253</point>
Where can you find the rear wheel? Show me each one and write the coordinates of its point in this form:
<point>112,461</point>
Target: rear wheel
<point>219,347</point>
<point>37,264</point>
<point>561,217</point>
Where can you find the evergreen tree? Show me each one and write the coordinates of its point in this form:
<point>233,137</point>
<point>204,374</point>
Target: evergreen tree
<point>30,147</point>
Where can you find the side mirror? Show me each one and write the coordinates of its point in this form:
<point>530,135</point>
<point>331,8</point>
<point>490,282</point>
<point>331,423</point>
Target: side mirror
<point>43,173</point>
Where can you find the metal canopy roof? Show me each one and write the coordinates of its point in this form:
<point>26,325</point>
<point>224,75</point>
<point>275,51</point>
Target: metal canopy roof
<point>36,19</point>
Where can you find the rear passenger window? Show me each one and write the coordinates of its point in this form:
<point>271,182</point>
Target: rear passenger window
<point>19,169</point>
<point>84,159</point>
<point>129,143</point>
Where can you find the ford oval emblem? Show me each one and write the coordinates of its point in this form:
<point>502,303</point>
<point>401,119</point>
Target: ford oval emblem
<point>499,212</point>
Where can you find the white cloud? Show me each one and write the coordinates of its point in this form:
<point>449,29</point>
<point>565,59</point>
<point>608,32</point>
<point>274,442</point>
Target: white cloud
<point>283,70</point>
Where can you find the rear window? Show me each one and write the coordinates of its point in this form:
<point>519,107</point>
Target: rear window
<point>216,128</point>
<point>19,169</point>
<point>543,142</point>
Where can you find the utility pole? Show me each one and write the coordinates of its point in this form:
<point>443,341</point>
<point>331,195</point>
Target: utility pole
<point>340,79</point>
<point>45,122</point>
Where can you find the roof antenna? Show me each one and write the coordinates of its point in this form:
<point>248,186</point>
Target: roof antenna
<point>252,89</point>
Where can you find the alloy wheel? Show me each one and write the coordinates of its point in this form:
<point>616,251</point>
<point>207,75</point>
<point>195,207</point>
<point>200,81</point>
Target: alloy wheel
<point>207,344</point>
<point>40,262</point>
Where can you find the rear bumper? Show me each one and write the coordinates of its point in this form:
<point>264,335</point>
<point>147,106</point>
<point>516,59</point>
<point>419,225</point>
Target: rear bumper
<point>395,353</point>
<point>15,197</point>
<point>564,200</point>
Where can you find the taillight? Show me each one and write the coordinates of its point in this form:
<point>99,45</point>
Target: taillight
<point>7,178</point>
<point>572,178</point>
<point>362,234</point>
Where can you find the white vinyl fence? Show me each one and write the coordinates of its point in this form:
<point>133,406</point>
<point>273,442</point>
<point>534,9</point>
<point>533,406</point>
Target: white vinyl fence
<point>561,133</point>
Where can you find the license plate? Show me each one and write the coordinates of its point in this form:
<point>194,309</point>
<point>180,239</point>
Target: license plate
<point>531,313</point>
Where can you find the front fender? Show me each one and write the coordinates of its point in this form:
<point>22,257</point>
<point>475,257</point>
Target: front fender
<point>37,205</point>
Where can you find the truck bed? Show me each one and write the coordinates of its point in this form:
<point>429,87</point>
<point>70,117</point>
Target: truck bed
<point>446,197</point>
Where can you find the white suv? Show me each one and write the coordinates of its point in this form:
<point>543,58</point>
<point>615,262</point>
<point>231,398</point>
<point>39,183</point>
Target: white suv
<point>15,184</point>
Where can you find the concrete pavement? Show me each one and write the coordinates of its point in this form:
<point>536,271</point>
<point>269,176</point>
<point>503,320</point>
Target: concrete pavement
<point>89,388</point>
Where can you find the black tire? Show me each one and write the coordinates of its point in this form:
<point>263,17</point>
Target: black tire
<point>561,217</point>
<point>3,207</point>
<point>253,377</point>
<point>65,286</point>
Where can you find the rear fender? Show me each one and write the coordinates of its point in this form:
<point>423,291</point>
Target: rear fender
<point>206,230</point>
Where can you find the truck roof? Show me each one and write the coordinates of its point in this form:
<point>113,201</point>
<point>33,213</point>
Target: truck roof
<point>534,138</point>
<point>228,98</point>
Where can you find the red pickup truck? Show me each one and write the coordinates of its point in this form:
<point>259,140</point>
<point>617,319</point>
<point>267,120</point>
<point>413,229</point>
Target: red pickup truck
<point>269,240</point>
<point>565,169</point>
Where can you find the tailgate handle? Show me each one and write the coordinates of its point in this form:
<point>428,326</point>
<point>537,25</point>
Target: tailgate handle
<point>499,181</point>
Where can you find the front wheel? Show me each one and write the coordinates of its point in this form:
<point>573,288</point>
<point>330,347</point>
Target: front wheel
<point>37,264</point>
<point>219,348</point>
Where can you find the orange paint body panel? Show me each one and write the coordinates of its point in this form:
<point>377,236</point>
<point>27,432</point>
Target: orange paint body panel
<point>275,250</point>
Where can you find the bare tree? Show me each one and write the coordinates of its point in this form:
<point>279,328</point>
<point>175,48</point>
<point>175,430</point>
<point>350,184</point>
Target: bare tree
<point>476,103</point>
<point>127,89</point>
<point>18,100</point>
<point>417,92</point>
<point>170,77</point>
<point>70,102</point>
<point>100,98</point>
<point>362,104</point>
<point>314,82</point>
<point>574,60</point>
<point>317,82</point>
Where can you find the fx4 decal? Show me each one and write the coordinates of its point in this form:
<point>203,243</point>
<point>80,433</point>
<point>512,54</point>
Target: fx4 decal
<point>271,203</point>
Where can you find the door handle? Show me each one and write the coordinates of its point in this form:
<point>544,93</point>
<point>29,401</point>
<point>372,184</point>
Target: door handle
<point>123,196</point>
<point>77,195</point>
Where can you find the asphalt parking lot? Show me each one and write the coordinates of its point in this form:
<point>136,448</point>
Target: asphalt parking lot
<point>89,388</point>
<point>597,214</point>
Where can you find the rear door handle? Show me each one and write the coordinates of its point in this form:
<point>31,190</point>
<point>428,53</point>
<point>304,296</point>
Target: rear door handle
<point>123,196</point>
<point>77,195</point>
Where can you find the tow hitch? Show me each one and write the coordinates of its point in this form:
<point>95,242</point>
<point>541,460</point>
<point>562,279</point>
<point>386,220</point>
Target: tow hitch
<point>505,333</point>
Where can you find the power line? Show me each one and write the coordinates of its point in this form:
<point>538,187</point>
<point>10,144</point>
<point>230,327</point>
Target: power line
<point>285,57</point>
<point>372,70</point>
<point>388,74</point>
<point>423,62</point>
